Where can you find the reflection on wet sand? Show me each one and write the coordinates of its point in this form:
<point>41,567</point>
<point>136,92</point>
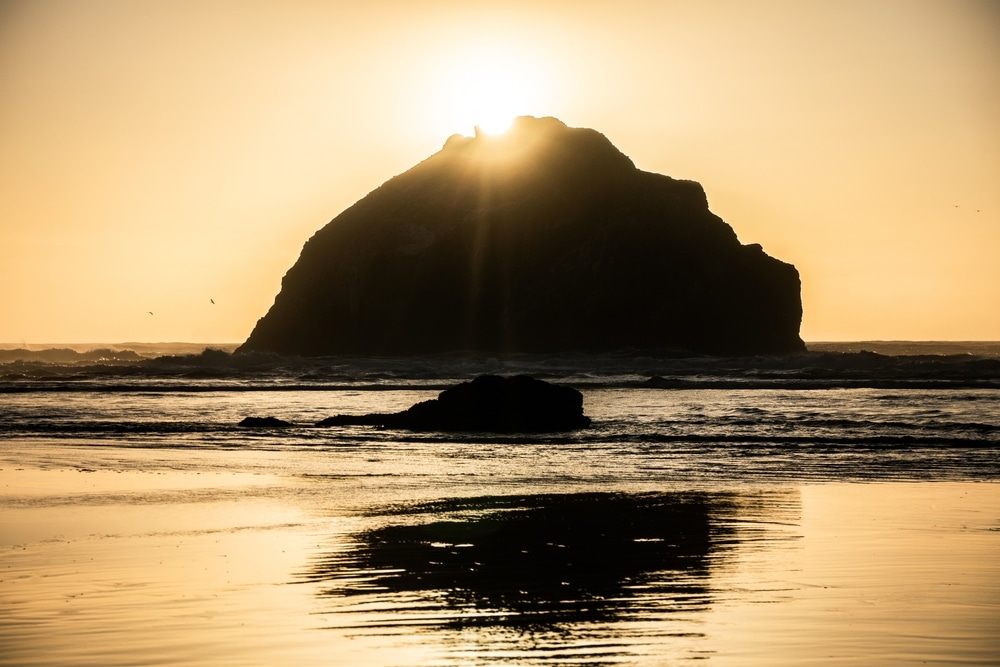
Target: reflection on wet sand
<point>550,562</point>
<point>114,568</point>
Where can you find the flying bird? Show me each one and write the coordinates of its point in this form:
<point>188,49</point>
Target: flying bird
<point>212,300</point>
<point>150,312</point>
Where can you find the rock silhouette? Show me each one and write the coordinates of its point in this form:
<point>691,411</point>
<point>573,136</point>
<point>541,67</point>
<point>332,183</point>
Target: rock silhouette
<point>490,403</point>
<point>264,422</point>
<point>543,239</point>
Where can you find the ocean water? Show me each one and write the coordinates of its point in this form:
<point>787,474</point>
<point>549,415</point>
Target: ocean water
<point>838,507</point>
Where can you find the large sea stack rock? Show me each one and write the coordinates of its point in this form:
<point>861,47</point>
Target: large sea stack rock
<point>543,239</point>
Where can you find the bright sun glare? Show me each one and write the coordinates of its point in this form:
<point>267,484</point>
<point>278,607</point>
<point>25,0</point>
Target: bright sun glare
<point>491,100</point>
<point>487,91</point>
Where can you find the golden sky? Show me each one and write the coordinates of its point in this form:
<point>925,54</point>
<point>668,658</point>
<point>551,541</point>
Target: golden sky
<point>158,155</point>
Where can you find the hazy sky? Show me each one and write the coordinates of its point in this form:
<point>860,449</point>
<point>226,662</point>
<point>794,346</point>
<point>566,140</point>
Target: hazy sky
<point>157,154</point>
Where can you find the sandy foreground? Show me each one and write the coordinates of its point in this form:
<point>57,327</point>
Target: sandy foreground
<point>124,567</point>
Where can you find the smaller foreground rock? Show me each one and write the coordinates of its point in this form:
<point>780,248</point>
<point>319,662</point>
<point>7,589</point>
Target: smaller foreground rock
<point>489,403</point>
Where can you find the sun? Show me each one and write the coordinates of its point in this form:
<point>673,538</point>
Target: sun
<point>486,91</point>
<point>491,98</point>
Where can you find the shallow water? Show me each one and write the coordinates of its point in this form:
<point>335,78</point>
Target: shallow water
<point>757,524</point>
<point>183,568</point>
<point>638,434</point>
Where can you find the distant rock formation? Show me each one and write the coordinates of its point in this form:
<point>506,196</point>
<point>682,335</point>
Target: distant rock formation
<point>264,422</point>
<point>543,239</point>
<point>489,403</point>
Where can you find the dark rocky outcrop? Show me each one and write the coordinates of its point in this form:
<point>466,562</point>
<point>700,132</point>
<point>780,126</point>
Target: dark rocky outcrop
<point>489,403</point>
<point>264,422</point>
<point>544,239</point>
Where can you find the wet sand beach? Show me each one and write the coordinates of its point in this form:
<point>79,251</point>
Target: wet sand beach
<point>117,565</point>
